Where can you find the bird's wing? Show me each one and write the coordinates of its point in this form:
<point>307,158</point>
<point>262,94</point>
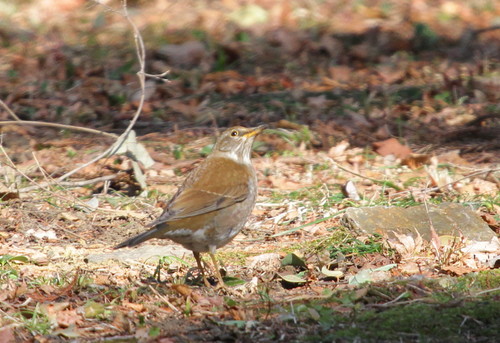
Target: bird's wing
<point>209,192</point>
<point>193,202</point>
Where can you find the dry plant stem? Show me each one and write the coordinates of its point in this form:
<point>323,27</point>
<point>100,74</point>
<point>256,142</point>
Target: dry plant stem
<point>68,184</point>
<point>59,126</point>
<point>361,176</point>
<point>433,189</point>
<point>12,165</point>
<point>9,111</point>
<point>435,237</point>
<point>38,185</point>
<point>141,57</point>
<point>172,307</point>
<point>487,291</point>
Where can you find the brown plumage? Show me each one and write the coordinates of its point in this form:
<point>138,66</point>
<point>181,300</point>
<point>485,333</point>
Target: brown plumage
<point>214,202</point>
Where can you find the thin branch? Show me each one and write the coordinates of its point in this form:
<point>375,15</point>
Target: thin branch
<point>141,55</point>
<point>380,182</point>
<point>165,299</point>
<point>9,111</point>
<point>433,189</point>
<point>45,185</point>
<point>57,125</point>
<point>68,184</point>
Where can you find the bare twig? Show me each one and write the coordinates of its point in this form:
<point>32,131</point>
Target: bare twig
<point>9,111</point>
<point>68,184</point>
<point>45,185</point>
<point>172,307</point>
<point>433,189</point>
<point>12,165</point>
<point>434,236</point>
<point>487,291</point>
<point>140,74</point>
<point>381,182</point>
<point>57,125</point>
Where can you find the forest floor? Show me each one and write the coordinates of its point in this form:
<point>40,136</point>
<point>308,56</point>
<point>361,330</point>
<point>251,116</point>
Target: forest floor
<point>400,98</point>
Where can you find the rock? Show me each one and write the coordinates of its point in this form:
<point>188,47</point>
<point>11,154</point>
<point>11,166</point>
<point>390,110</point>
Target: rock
<point>447,219</point>
<point>266,262</point>
<point>187,55</point>
<point>150,253</point>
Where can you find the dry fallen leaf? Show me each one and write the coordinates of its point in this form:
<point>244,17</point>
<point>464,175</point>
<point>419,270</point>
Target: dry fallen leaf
<point>392,146</point>
<point>415,161</point>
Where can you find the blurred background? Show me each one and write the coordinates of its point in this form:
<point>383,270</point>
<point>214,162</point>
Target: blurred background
<point>359,70</point>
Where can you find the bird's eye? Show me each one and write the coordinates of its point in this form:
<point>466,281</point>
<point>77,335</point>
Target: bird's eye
<point>234,133</point>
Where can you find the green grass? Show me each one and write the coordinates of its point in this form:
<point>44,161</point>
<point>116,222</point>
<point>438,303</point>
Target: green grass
<point>354,246</point>
<point>9,266</point>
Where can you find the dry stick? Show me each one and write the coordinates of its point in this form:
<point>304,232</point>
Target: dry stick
<point>73,183</point>
<point>9,111</point>
<point>56,125</point>
<point>12,165</point>
<point>433,189</point>
<point>165,299</point>
<point>479,172</point>
<point>388,183</point>
<point>68,183</point>
<point>43,185</point>
<point>141,56</point>
<point>434,236</point>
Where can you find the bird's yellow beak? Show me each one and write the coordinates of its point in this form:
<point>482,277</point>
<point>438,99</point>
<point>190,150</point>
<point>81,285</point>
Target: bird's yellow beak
<point>255,131</point>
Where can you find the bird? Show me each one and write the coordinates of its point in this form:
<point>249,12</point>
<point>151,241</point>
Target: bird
<point>213,203</point>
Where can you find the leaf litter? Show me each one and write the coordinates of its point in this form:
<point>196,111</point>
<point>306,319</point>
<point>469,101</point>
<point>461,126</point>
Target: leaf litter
<point>323,121</point>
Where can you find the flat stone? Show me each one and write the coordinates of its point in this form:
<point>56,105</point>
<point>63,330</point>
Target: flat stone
<point>447,219</point>
<point>143,253</point>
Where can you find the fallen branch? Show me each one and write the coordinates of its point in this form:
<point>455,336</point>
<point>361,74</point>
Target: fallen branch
<point>9,111</point>
<point>436,188</point>
<point>56,125</point>
<point>68,184</point>
<point>379,182</point>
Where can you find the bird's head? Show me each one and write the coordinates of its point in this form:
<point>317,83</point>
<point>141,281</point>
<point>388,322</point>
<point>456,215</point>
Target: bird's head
<point>236,143</point>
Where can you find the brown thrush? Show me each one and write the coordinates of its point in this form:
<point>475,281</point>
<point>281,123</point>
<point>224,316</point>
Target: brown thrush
<point>213,204</point>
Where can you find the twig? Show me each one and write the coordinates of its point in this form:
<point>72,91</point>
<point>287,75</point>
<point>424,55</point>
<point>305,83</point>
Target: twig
<point>141,56</point>
<point>67,183</point>
<point>172,307</point>
<point>12,165</point>
<point>381,182</point>
<point>433,189</point>
<point>56,125</point>
<point>44,185</point>
<point>434,236</point>
<point>487,291</point>
<point>9,111</point>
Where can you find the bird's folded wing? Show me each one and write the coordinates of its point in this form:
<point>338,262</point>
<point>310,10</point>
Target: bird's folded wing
<point>192,202</point>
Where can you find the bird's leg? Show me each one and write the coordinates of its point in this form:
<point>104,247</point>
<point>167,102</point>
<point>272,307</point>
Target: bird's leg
<point>200,267</point>
<point>217,270</point>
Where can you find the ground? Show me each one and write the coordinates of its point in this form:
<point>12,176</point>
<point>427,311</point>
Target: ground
<point>400,98</point>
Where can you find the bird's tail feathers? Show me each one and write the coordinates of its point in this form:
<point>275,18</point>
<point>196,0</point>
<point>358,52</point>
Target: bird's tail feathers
<point>138,239</point>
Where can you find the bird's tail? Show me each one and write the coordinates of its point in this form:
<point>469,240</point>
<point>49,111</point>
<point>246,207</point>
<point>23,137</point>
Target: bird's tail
<point>152,233</point>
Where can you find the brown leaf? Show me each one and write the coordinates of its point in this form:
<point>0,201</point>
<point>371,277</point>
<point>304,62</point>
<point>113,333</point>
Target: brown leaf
<point>392,146</point>
<point>134,306</point>
<point>391,74</point>
<point>68,317</point>
<point>415,161</point>
<point>340,73</point>
<point>452,156</point>
<point>183,290</point>
<point>456,270</point>
<point>7,335</point>
<point>5,196</point>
